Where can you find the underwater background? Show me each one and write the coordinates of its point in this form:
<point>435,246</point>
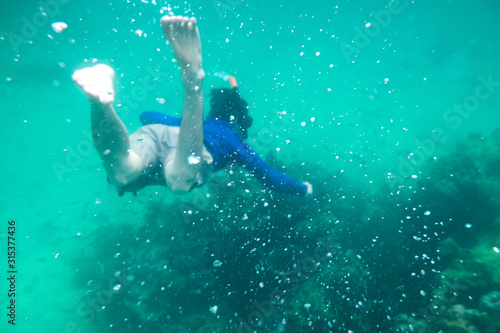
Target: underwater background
<point>389,108</point>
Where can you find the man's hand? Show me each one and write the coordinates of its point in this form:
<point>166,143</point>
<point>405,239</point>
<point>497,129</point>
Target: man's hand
<point>309,188</point>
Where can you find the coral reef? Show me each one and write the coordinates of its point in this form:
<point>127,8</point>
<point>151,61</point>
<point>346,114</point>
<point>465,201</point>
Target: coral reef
<point>232,256</point>
<point>457,319</point>
<point>474,269</point>
<point>462,192</point>
<point>464,189</point>
<point>405,323</point>
<point>490,303</point>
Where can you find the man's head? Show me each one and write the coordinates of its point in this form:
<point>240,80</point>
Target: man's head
<point>227,105</point>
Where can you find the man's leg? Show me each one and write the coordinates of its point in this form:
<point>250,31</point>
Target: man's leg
<point>108,132</point>
<point>183,35</point>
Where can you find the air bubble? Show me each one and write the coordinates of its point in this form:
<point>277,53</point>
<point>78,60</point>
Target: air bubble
<point>193,159</point>
<point>59,26</point>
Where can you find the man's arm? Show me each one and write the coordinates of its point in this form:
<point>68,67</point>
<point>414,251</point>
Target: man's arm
<point>267,175</point>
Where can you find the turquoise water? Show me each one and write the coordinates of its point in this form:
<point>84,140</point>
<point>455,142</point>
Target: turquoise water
<point>388,108</point>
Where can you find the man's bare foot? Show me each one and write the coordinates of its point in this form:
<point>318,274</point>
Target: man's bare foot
<point>183,34</point>
<point>97,82</point>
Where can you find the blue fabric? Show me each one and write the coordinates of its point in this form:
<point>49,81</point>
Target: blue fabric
<point>226,147</point>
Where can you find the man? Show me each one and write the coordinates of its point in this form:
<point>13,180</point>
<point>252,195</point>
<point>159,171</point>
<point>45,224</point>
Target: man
<point>180,154</point>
